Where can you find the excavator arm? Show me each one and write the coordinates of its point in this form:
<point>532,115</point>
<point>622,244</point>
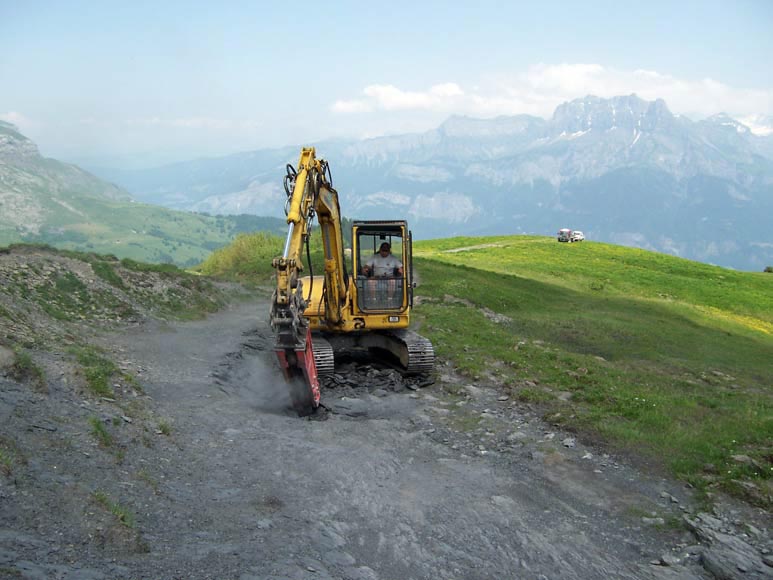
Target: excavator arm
<point>310,193</point>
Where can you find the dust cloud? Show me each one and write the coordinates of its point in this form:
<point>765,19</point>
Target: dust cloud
<point>254,377</point>
<point>266,388</point>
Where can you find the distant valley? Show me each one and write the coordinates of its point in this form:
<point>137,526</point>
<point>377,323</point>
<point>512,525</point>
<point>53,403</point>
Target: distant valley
<point>46,201</point>
<point>623,170</point>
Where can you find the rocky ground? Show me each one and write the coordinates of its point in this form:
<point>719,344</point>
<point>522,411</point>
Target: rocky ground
<point>193,466</point>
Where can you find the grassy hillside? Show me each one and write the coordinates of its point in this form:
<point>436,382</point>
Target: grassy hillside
<point>247,258</point>
<point>664,357</point>
<point>611,269</point>
<point>138,231</point>
<point>46,294</point>
<point>46,201</point>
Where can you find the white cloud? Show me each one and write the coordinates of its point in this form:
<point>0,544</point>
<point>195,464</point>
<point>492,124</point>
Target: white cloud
<point>15,118</point>
<point>442,97</point>
<point>353,106</point>
<point>541,88</point>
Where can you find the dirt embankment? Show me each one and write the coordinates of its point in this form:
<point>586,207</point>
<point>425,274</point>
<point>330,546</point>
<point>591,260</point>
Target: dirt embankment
<point>184,462</point>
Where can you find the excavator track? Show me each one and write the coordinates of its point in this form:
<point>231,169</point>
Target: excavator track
<point>421,354</point>
<point>413,353</point>
<point>323,356</point>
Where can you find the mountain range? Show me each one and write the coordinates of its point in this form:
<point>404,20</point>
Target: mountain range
<point>46,201</point>
<point>623,170</point>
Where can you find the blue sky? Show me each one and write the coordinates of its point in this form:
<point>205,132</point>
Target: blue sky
<point>144,82</point>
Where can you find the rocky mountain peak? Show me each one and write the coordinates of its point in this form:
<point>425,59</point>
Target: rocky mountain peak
<point>725,121</point>
<point>624,112</point>
<point>14,146</point>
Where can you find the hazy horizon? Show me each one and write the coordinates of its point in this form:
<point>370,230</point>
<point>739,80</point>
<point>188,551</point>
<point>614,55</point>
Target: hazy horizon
<point>146,84</point>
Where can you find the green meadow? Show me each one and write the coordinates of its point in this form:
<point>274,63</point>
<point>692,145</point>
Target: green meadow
<point>88,222</point>
<point>664,359</point>
<point>667,361</point>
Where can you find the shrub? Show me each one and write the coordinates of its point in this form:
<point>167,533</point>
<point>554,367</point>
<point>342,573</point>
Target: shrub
<point>96,369</point>
<point>136,266</point>
<point>164,427</point>
<point>107,273</point>
<point>121,513</point>
<point>25,369</point>
<point>248,256</point>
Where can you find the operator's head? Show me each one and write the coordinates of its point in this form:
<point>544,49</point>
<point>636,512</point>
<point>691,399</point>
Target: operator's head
<point>384,249</point>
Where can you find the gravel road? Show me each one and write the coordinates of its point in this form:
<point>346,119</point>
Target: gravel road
<point>386,483</point>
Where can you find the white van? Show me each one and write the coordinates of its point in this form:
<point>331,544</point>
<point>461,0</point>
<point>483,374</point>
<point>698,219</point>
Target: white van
<point>577,236</point>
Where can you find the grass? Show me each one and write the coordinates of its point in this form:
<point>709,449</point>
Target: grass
<point>533,395</point>
<point>136,266</point>
<point>65,297</point>
<point>122,514</point>
<point>97,370</point>
<point>613,270</point>
<point>10,456</point>
<point>143,475</point>
<point>127,229</point>
<point>164,427</point>
<point>100,432</point>
<point>248,257</point>
<point>6,462</point>
<point>663,358</point>
<point>25,369</point>
<point>197,298</point>
<point>106,271</point>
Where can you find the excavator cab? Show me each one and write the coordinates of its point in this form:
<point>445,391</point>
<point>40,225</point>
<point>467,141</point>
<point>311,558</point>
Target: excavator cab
<point>382,261</point>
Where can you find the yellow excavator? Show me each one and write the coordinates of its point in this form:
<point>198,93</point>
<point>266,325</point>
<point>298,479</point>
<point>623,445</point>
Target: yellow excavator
<point>361,303</point>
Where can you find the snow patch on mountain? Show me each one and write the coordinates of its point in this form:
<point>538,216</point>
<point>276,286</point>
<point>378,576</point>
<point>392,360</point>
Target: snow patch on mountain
<point>759,125</point>
<point>453,208</point>
<point>365,205</point>
<point>628,169</point>
<point>423,173</point>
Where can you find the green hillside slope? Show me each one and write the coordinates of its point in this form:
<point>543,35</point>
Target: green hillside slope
<point>669,359</point>
<point>139,231</point>
<point>46,201</point>
<point>143,232</point>
<point>664,359</point>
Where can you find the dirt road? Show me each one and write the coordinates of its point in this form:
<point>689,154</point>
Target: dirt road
<point>387,484</point>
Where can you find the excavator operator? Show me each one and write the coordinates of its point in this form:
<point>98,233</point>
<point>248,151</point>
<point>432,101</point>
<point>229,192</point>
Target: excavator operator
<point>383,264</point>
<point>383,270</point>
